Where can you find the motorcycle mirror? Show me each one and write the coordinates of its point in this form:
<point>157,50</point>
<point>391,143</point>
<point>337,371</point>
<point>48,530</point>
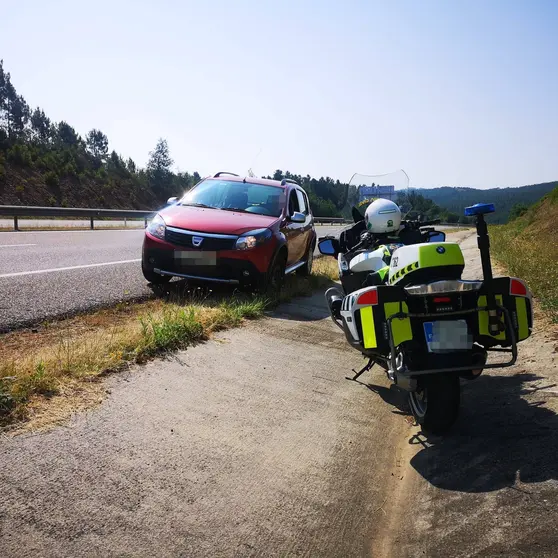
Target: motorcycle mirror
<point>436,236</point>
<point>357,215</point>
<point>328,246</point>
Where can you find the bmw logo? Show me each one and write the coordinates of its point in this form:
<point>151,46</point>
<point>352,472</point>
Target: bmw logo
<point>440,249</point>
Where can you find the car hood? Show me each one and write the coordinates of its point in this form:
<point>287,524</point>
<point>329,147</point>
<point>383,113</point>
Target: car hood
<point>201,219</point>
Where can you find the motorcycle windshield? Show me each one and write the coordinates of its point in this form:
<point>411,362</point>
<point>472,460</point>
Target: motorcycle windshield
<point>393,186</point>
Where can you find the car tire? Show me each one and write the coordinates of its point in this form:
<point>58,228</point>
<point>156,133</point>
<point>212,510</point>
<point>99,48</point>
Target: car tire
<point>306,269</point>
<point>273,280</point>
<point>155,278</point>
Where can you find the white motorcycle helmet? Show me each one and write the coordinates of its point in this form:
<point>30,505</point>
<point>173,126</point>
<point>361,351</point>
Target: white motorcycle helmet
<point>382,216</point>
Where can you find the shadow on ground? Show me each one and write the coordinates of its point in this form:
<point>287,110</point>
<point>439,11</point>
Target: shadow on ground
<point>500,437</point>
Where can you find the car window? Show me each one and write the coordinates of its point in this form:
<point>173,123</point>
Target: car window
<point>307,203</point>
<point>293,203</point>
<point>302,202</point>
<point>239,196</point>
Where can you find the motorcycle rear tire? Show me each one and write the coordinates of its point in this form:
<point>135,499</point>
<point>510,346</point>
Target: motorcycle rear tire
<point>435,404</point>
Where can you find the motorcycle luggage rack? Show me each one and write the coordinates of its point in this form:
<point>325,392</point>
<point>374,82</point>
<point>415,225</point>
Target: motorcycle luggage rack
<point>507,324</point>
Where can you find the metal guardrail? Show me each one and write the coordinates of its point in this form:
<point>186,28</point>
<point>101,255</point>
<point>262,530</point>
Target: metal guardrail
<point>19,211</point>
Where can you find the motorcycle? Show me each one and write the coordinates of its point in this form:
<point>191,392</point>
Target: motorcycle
<point>405,307</point>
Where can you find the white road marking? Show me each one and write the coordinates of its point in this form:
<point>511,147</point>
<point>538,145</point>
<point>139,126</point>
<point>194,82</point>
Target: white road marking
<point>12,245</point>
<point>38,271</point>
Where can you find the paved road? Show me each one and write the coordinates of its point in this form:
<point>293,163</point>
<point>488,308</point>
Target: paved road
<point>55,273</point>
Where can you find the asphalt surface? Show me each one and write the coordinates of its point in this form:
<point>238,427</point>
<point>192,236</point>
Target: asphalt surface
<point>50,274</point>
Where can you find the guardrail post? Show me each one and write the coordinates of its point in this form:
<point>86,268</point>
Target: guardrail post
<point>92,225</point>
<point>16,224</point>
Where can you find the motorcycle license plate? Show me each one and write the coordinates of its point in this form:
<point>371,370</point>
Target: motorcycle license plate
<point>447,336</point>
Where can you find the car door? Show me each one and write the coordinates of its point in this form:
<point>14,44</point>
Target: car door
<point>293,231</point>
<point>306,227</point>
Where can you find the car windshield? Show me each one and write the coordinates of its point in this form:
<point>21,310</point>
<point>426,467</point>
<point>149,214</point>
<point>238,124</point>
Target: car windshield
<point>237,196</point>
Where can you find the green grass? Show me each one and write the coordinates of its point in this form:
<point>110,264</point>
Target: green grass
<point>62,356</point>
<point>528,248</point>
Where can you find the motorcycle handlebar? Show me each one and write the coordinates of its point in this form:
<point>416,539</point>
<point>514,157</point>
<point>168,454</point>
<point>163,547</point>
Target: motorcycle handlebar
<point>418,224</point>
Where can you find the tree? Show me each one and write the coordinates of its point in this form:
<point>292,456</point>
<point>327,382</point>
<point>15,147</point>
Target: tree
<point>66,135</point>
<point>41,126</point>
<point>14,110</point>
<point>518,210</point>
<point>97,144</point>
<point>19,115</point>
<point>131,166</point>
<point>159,167</point>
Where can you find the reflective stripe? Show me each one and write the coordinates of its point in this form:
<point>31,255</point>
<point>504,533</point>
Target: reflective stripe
<point>403,271</point>
<point>368,328</point>
<point>483,319</point>
<point>522,320</point>
<point>382,272</point>
<point>400,327</point>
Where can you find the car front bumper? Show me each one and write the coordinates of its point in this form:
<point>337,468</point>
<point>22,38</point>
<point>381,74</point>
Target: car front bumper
<point>231,266</point>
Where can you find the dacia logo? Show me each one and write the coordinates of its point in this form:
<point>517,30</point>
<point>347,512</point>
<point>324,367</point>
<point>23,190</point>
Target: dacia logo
<point>196,241</point>
<point>440,249</point>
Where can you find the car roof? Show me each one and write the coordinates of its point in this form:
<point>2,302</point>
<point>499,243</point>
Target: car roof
<point>253,180</point>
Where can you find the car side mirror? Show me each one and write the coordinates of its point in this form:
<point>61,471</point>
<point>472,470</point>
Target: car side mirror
<point>436,236</point>
<point>298,217</point>
<point>171,201</point>
<point>329,246</point>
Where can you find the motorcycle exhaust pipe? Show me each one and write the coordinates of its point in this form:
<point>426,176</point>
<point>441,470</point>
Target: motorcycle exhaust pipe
<point>479,360</point>
<point>334,298</point>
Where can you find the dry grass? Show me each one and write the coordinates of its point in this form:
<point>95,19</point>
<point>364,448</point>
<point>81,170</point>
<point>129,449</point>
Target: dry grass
<point>528,248</point>
<point>68,357</point>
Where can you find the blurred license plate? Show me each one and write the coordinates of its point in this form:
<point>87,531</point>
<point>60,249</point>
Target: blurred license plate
<point>189,257</point>
<point>447,336</point>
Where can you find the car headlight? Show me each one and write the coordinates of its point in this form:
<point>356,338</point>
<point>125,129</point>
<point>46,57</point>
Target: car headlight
<point>252,239</point>
<point>157,227</point>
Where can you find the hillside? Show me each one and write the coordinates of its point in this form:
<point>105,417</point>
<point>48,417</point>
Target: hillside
<point>528,247</point>
<point>455,199</point>
<point>49,164</point>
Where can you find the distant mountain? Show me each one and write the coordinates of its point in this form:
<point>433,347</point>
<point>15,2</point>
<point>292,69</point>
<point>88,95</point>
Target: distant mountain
<point>455,199</point>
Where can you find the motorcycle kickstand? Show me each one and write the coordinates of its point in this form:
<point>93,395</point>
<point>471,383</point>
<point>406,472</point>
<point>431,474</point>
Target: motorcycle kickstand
<point>368,366</point>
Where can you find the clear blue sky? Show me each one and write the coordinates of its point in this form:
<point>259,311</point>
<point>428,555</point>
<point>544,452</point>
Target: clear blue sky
<point>456,93</point>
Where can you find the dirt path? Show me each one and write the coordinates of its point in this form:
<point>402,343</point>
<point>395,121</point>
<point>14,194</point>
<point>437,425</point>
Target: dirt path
<point>491,488</point>
<point>250,445</point>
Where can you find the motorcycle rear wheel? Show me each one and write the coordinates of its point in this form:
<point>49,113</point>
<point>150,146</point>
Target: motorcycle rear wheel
<point>435,403</point>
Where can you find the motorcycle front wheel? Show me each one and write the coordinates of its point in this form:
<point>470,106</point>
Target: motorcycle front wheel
<point>435,403</point>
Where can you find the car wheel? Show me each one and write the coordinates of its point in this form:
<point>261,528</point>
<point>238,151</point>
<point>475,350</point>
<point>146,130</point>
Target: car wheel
<point>275,276</point>
<point>155,278</point>
<point>306,269</point>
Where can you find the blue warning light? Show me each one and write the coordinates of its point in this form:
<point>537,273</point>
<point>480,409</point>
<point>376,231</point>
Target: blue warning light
<point>480,209</point>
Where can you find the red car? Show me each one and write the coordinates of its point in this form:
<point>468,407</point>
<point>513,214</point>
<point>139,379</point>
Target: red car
<point>230,229</point>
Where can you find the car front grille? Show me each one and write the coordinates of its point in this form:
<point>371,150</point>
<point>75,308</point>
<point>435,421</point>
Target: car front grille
<point>212,243</point>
